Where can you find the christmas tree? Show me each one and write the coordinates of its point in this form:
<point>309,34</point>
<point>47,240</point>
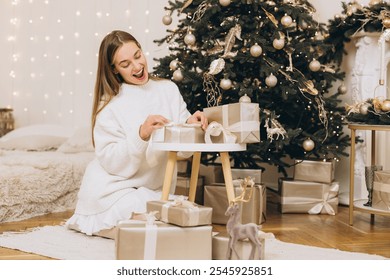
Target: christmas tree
<point>275,53</point>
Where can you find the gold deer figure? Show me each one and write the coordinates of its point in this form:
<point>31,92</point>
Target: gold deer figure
<point>238,231</point>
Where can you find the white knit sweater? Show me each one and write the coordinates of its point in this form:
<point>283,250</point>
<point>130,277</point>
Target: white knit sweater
<point>121,161</point>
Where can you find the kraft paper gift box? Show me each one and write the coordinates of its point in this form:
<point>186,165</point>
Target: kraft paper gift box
<point>179,133</point>
<point>241,173</point>
<point>241,119</point>
<point>181,212</point>
<point>211,173</point>
<point>314,171</point>
<point>253,211</point>
<point>309,197</point>
<point>220,243</point>
<point>183,188</point>
<point>138,240</point>
<point>381,190</point>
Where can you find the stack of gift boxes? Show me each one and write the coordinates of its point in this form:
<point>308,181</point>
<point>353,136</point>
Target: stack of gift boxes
<point>381,190</point>
<point>312,189</point>
<point>183,229</point>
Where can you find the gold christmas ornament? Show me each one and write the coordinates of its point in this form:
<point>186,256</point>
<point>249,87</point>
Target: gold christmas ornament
<point>314,65</point>
<point>364,108</point>
<point>308,145</point>
<point>256,50</point>
<point>167,19</point>
<point>245,99</point>
<point>386,22</point>
<point>177,75</point>
<point>189,39</point>
<point>271,80</point>
<point>374,2</point>
<point>342,89</point>
<point>278,43</point>
<point>225,84</point>
<point>216,66</point>
<point>173,65</point>
<point>286,21</point>
<point>225,3</point>
<point>385,106</point>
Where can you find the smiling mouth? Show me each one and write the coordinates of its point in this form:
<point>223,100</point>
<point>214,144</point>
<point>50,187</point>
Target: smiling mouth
<point>139,74</point>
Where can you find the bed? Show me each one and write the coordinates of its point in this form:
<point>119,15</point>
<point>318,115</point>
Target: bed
<point>41,168</point>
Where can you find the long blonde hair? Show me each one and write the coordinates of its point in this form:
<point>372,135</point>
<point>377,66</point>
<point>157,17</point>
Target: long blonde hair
<point>107,82</point>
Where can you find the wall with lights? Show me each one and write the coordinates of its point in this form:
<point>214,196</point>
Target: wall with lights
<point>49,53</point>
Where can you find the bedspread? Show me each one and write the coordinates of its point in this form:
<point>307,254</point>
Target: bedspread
<point>37,183</point>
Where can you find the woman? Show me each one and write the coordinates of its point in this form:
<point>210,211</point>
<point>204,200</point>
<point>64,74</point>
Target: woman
<point>128,106</point>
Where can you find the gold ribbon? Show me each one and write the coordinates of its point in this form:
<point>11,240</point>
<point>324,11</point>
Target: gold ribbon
<point>181,201</point>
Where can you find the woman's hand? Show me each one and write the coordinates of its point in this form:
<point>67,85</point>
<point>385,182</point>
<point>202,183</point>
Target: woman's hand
<point>151,123</point>
<point>198,117</point>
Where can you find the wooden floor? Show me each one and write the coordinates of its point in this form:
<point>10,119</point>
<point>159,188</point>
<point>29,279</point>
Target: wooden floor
<point>316,230</point>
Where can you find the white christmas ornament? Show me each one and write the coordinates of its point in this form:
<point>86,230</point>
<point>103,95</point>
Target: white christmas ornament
<point>167,19</point>
<point>177,75</point>
<point>278,43</point>
<point>225,2</point>
<point>189,39</point>
<point>256,50</point>
<point>308,145</point>
<point>271,80</point>
<point>216,66</point>
<point>315,65</point>
<point>245,99</point>
<point>173,65</point>
<point>225,84</point>
<point>286,21</point>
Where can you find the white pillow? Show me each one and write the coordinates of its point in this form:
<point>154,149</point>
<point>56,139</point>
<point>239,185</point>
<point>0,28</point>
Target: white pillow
<point>39,137</point>
<point>80,141</point>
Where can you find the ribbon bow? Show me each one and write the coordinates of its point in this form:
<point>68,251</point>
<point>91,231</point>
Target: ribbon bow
<point>215,129</point>
<point>180,201</point>
<point>328,195</point>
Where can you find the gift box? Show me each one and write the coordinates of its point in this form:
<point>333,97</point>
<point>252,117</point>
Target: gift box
<point>241,173</point>
<point>211,173</point>
<point>253,211</point>
<point>381,190</point>
<point>314,171</point>
<point>220,243</point>
<point>309,197</point>
<point>181,212</point>
<point>138,240</point>
<point>183,188</point>
<point>241,119</point>
<point>179,133</point>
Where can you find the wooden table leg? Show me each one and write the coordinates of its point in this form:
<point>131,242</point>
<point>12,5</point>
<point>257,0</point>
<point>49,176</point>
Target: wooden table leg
<point>351,176</point>
<point>227,174</point>
<point>194,176</point>
<point>172,156</point>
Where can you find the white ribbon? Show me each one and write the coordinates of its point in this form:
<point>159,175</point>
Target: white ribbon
<point>215,129</point>
<point>150,245</point>
<point>181,201</point>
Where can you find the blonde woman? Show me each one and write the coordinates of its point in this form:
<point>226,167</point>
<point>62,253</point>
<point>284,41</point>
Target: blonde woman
<point>128,106</point>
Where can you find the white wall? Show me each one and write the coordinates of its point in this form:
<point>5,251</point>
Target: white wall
<point>49,51</point>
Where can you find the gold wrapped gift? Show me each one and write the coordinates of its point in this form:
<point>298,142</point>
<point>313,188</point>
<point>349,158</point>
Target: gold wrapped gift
<point>183,188</point>
<point>382,176</point>
<point>253,211</point>
<point>309,197</point>
<point>241,119</point>
<point>137,240</point>
<point>241,173</point>
<point>181,212</point>
<point>211,173</point>
<point>314,171</point>
<point>179,133</point>
<point>220,243</point>
<point>381,196</point>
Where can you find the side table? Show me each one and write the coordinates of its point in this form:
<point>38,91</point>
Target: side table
<point>197,149</point>
<point>358,205</point>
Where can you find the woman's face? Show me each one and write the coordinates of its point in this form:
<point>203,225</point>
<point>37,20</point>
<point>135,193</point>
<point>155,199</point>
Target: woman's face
<point>130,63</point>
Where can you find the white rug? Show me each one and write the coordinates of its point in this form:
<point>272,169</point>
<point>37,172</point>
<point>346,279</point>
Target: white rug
<point>60,243</point>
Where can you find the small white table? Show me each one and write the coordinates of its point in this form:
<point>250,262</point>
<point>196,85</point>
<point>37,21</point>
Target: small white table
<point>197,149</point>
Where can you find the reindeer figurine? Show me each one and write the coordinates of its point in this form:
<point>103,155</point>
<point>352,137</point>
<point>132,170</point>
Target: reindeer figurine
<point>238,231</point>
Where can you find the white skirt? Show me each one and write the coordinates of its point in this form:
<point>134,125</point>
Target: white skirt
<point>123,209</point>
